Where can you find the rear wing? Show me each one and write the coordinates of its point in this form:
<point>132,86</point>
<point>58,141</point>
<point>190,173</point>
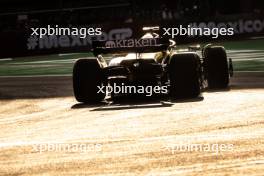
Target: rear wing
<point>144,45</point>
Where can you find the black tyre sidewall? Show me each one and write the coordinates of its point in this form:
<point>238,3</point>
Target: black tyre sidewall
<point>87,75</point>
<point>216,67</point>
<point>184,75</point>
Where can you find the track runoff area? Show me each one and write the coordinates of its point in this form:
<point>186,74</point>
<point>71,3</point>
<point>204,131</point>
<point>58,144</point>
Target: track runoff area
<point>44,130</point>
<point>247,55</point>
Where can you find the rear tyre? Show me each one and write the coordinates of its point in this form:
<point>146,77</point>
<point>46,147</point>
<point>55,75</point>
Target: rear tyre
<point>184,75</point>
<point>216,67</point>
<point>87,75</point>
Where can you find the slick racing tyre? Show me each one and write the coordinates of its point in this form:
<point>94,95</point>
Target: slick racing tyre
<point>87,75</point>
<point>216,67</point>
<point>184,75</point>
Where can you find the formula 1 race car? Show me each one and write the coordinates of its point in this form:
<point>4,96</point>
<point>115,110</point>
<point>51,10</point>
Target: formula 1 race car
<point>147,62</point>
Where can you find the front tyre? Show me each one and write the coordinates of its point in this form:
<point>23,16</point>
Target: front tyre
<point>216,67</point>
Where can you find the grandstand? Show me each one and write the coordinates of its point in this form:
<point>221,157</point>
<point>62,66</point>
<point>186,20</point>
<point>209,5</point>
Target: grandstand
<point>120,11</point>
<point>17,17</point>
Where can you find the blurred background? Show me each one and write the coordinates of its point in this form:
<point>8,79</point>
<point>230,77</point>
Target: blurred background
<point>17,14</point>
<point>117,18</point>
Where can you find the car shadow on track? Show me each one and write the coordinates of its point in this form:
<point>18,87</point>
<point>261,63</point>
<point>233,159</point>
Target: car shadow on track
<point>134,104</point>
<point>207,90</point>
<point>12,88</point>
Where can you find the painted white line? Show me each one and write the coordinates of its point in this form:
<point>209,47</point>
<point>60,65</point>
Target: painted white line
<point>248,71</point>
<point>58,61</point>
<point>244,51</point>
<point>37,76</point>
<point>246,59</point>
<point>6,59</point>
<point>254,38</point>
<point>68,54</point>
<point>246,54</point>
<point>46,61</point>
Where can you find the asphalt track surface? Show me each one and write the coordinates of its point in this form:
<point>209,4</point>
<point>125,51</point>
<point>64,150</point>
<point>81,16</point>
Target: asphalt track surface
<point>39,113</point>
